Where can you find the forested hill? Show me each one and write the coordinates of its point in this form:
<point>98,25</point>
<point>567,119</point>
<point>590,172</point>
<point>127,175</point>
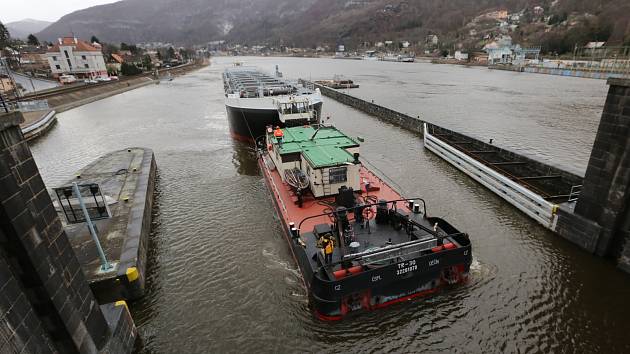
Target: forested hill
<point>305,23</point>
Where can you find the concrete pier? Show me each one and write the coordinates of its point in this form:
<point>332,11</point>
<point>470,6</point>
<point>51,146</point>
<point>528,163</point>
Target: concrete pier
<point>127,180</point>
<point>46,305</point>
<point>602,214</point>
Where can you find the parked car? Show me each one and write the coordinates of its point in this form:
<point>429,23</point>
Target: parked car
<point>113,77</point>
<point>67,79</point>
<point>103,79</point>
<point>90,81</point>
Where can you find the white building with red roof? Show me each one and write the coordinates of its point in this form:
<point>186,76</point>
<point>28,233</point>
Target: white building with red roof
<point>72,56</point>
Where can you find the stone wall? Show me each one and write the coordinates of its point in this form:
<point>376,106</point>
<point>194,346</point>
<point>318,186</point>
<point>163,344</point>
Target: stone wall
<point>605,197</point>
<point>577,229</point>
<point>46,302</point>
<point>383,113</point>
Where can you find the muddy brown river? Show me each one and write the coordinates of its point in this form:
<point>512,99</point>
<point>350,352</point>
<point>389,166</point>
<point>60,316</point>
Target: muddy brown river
<point>221,278</point>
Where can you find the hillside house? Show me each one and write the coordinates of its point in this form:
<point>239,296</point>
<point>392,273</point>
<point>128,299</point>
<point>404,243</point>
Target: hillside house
<point>72,56</point>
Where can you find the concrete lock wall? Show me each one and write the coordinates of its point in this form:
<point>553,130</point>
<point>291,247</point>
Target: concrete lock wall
<point>46,304</point>
<point>605,198</point>
<point>385,114</point>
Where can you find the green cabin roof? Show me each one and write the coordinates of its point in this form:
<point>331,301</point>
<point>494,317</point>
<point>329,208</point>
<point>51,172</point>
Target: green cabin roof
<point>328,148</point>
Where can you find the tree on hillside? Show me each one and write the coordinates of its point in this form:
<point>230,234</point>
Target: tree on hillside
<point>129,69</point>
<point>146,62</point>
<point>130,47</point>
<point>109,48</point>
<point>5,36</point>
<point>94,40</point>
<point>32,40</point>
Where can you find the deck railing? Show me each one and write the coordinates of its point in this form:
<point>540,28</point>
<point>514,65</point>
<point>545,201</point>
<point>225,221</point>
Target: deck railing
<point>574,195</point>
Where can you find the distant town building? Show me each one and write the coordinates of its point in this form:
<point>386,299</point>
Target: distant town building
<point>479,57</point>
<point>459,55</point>
<point>539,11</point>
<point>33,59</point>
<point>514,18</point>
<point>6,85</point>
<point>502,51</point>
<point>498,15</point>
<point>432,39</point>
<point>592,45</point>
<point>72,56</point>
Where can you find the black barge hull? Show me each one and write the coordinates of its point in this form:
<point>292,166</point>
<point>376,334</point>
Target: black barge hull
<point>247,124</point>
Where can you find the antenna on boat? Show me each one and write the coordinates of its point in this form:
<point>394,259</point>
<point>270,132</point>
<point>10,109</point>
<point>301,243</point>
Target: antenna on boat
<point>318,128</point>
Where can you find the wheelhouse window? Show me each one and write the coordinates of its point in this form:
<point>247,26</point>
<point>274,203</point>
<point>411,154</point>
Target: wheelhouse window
<point>338,175</point>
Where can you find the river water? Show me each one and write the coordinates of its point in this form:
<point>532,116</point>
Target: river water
<point>221,278</point>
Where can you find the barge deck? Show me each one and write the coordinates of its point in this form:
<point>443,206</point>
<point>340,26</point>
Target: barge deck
<point>536,189</point>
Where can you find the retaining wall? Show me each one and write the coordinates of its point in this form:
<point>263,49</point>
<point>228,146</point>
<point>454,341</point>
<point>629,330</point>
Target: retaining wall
<point>589,74</point>
<point>383,113</point>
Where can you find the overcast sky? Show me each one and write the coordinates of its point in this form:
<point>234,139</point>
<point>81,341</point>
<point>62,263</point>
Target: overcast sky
<point>46,10</point>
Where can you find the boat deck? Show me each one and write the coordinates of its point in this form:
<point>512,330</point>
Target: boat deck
<point>251,80</point>
<point>291,212</point>
<point>377,236</point>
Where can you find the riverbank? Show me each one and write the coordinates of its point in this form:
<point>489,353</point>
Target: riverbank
<point>66,101</point>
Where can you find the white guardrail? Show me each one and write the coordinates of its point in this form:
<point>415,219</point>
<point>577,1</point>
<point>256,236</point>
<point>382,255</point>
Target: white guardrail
<point>525,200</point>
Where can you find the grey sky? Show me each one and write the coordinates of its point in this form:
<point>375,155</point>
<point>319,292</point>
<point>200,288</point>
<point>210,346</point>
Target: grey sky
<point>47,10</point>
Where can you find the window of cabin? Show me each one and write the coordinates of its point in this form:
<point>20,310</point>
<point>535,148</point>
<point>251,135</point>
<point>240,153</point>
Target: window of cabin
<point>338,175</point>
<point>58,67</point>
<point>54,58</point>
<point>87,66</point>
<point>83,57</point>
